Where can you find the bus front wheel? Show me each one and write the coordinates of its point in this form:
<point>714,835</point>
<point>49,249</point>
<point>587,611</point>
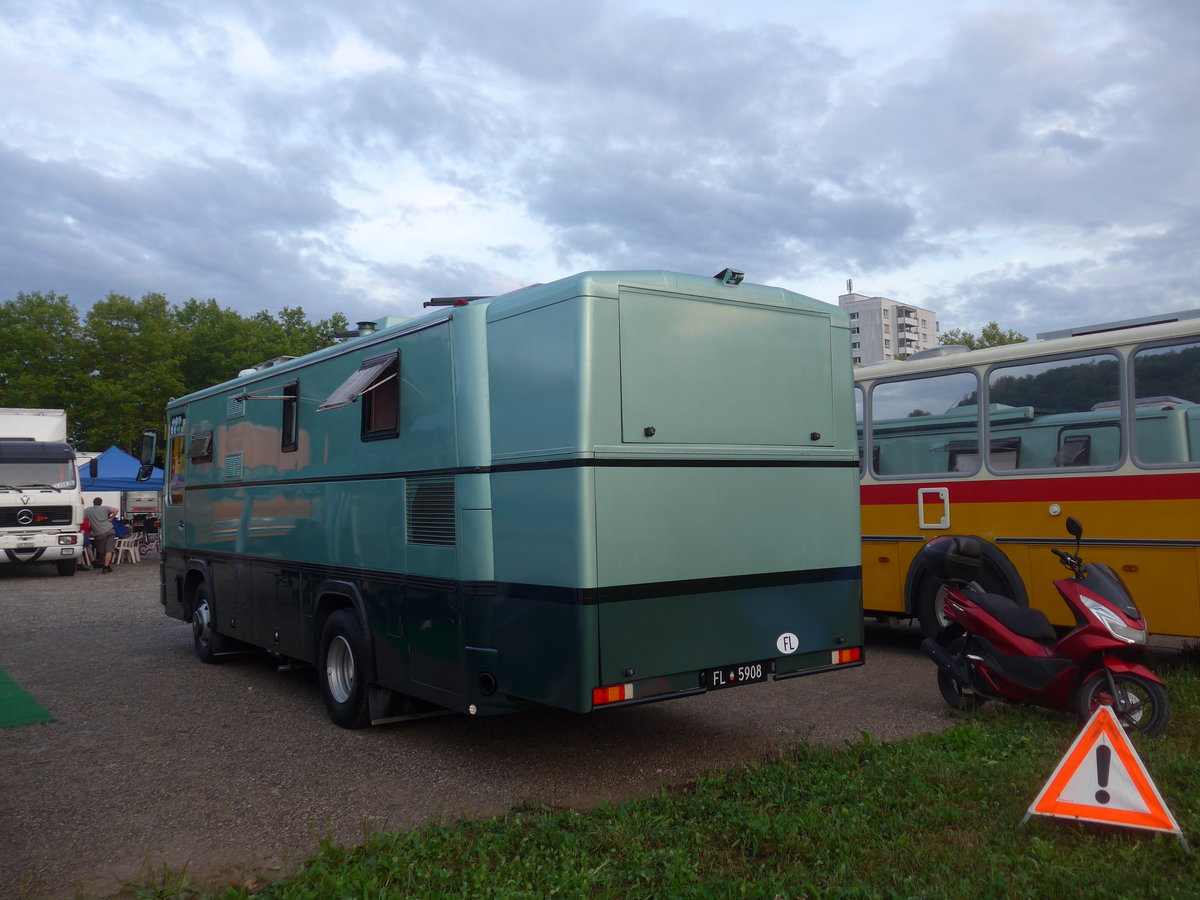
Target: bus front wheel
<point>343,651</point>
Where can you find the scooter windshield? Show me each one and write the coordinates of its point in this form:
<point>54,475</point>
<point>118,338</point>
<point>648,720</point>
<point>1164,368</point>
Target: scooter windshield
<point>1102,580</point>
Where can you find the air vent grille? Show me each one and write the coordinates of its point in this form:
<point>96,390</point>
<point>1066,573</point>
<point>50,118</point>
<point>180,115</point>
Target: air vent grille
<point>431,511</point>
<point>233,467</point>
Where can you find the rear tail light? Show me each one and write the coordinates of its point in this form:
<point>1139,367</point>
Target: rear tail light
<point>614,693</point>
<point>847,655</point>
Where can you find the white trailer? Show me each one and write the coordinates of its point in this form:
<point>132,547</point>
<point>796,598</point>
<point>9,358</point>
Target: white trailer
<point>41,508</point>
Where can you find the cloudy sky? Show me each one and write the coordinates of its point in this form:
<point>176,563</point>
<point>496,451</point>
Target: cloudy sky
<point>1036,163</point>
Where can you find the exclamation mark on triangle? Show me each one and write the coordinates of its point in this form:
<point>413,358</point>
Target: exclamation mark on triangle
<point>1103,761</point>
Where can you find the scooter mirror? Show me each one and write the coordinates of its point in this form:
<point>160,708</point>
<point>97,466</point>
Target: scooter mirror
<point>1074,528</point>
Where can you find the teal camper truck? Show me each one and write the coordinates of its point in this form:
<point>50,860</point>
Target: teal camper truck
<point>616,488</point>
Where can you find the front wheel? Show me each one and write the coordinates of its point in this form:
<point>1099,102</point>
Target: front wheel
<point>1140,705</point>
<point>340,666</point>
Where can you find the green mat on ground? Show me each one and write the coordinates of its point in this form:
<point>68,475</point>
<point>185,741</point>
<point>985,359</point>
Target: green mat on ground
<point>17,707</point>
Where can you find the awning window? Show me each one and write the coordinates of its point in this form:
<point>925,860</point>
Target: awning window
<point>359,382</point>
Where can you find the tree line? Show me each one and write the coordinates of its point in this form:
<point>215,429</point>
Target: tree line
<point>114,369</point>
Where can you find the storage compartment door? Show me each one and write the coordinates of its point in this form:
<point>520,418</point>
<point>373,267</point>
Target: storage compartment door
<point>714,372</point>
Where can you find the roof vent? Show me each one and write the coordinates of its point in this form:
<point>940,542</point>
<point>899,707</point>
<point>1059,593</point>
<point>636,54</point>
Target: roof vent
<point>730,276</point>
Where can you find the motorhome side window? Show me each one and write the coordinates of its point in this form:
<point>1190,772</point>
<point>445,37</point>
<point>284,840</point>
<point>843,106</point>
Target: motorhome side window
<point>381,403</point>
<point>377,384</point>
<point>290,426</point>
<point>200,448</point>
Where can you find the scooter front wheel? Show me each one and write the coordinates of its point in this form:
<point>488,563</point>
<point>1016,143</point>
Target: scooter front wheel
<point>1140,705</point>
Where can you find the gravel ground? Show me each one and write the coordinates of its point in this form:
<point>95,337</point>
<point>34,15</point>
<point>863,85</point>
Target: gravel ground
<point>233,770</point>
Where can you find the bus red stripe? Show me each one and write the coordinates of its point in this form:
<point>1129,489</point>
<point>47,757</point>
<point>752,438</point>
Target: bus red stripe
<point>1170,486</point>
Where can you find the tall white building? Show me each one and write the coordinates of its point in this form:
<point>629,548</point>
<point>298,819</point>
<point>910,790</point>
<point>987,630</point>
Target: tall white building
<point>882,329</point>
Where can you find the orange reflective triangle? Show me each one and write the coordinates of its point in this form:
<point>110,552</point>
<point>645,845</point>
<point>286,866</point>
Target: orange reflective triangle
<point>1102,779</point>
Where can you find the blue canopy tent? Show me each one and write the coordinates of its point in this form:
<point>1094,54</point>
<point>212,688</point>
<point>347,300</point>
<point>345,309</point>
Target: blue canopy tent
<point>117,471</point>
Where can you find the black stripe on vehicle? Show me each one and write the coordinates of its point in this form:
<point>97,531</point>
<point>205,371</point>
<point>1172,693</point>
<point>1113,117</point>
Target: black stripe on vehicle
<point>547,465</point>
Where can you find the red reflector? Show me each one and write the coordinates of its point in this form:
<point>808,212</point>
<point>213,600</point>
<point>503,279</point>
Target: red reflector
<point>612,694</point>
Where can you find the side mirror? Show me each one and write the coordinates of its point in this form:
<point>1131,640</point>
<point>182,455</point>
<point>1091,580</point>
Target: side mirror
<point>144,472</point>
<point>1074,528</point>
<point>149,449</point>
<point>93,468</point>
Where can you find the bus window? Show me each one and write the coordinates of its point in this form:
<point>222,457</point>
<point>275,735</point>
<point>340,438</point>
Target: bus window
<point>1064,411</point>
<point>858,419</point>
<point>1166,383</point>
<point>923,425</point>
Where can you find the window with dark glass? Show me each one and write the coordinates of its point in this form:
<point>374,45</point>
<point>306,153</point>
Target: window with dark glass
<point>381,403</point>
<point>377,384</point>
<point>290,427</point>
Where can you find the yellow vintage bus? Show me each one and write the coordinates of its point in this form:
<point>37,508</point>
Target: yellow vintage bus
<point>1004,443</point>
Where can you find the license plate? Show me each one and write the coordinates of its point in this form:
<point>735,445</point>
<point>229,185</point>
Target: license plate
<point>733,676</point>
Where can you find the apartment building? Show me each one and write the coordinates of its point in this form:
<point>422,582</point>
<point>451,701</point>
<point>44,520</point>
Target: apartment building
<point>883,329</point>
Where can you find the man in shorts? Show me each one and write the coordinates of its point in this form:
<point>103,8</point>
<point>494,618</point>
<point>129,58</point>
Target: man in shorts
<point>104,537</point>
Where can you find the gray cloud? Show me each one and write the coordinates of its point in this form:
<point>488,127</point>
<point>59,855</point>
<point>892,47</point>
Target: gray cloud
<point>1051,146</point>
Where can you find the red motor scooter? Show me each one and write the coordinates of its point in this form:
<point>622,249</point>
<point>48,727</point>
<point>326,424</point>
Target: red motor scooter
<point>993,649</point>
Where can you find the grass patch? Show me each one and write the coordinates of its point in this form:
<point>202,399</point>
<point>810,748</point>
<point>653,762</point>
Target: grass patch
<point>935,816</point>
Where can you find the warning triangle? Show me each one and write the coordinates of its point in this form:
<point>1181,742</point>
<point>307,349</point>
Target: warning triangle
<point>1102,779</point>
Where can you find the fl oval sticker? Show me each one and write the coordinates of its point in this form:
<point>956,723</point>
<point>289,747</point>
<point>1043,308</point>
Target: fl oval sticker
<point>787,643</point>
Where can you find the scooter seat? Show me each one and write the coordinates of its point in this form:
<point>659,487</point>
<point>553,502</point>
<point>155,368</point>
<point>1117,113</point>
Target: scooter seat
<point>1030,623</point>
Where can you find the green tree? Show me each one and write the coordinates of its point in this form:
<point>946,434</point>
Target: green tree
<point>212,344</point>
<point>989,336</point>
<point>115,373</point>
<point>131,360</point>
<point>40,352</point>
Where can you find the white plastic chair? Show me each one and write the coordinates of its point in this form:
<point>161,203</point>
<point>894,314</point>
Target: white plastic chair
<point>127,550</point>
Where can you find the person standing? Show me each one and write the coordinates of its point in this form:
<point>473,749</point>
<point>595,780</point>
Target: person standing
<point>104,537</point>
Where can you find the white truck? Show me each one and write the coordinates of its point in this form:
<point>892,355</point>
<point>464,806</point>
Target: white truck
<point>41,508</point>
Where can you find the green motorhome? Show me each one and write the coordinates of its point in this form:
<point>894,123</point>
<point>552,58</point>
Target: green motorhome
<point>615,488</point>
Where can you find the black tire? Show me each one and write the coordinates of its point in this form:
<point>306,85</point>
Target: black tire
<point>1149,713</point>
<point>996,576</point>
<point>956,694</point>
<point>66,568</point>
<point>209,645</point>
<point>341,667</point>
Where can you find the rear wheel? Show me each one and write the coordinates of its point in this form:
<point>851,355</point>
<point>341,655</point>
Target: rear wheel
<point>955,693</point>
<point>66,568</point>
<point>341,668</point>
<point>1140,705</point>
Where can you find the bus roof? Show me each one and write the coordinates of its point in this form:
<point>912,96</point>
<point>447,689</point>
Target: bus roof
<point>1027,349</point>
<point>605,284</point>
